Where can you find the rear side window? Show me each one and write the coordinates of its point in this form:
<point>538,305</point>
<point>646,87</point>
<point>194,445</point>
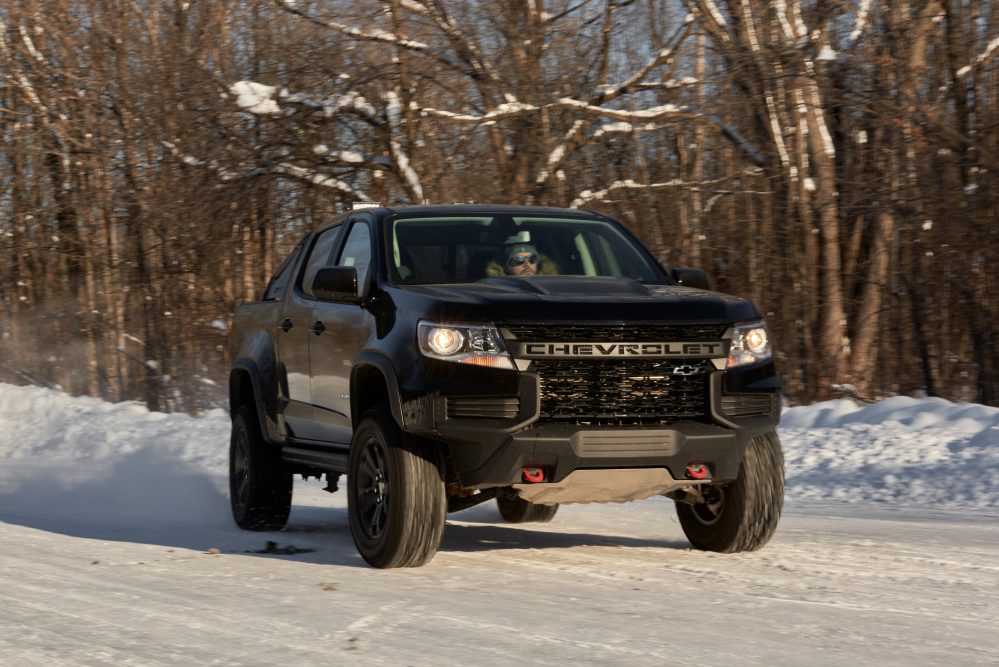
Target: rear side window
<point>279,282</point>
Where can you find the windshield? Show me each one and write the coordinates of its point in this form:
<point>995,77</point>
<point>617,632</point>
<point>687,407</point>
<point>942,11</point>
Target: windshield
<point>431,250</point>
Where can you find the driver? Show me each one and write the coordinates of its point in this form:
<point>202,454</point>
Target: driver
<point>520,259</point>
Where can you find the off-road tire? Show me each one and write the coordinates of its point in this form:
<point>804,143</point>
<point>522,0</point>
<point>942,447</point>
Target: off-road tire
<point>395,494</point>
<point>741,515</point>
<point>514,509</point>
<point>259,482</point>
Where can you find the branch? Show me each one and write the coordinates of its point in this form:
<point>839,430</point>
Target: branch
<point>410,179</point>
<point>601,195</point>
<point>575,138</point>
<point>557,156</point>
<point>373,36</point>
<point>29,92</point>
<point>711,18</point>
<point>480,68</point>
<point>322,180</point>
<point>863,16</point>
<point>282,169</point>
<point>502,111</point>
<point>990,50</point>
<point>646,115</point>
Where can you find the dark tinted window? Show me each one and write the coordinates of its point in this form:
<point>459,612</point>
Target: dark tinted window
<point>278,285</point>
<point>320,256</point>
<point>357,251</point>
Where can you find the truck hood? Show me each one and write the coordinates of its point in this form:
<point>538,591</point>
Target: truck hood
<point>571,298</point>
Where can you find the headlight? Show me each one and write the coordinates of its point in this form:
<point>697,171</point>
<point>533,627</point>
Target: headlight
<point>750,345</point>
<point>476,344</point>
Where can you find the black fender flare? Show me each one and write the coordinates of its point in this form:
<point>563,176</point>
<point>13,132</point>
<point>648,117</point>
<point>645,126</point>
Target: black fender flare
<point>382,364</point>
<point>255,359</point>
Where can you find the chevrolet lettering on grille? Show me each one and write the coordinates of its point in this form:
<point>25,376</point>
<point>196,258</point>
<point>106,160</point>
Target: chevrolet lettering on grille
<point>573,350</point>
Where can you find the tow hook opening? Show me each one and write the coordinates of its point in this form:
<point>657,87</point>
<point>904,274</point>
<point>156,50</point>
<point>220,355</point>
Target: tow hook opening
<point>533,474</point>
<point>698,471</point>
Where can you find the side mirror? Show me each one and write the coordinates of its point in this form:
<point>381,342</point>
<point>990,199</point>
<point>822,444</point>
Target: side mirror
<point>335,283</point>
<point>691,278</point>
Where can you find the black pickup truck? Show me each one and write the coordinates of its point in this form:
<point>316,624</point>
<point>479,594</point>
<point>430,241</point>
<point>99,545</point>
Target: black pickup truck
<point>442,356</point>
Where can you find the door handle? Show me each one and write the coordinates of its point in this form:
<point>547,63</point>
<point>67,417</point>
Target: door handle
<point>286,325</point>
<point>317,328</point>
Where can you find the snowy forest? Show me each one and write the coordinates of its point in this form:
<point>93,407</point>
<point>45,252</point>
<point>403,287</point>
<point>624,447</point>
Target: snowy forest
<point>832,160</point>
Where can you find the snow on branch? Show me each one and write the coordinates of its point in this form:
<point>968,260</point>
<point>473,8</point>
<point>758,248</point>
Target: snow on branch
<point>30,44</point>
<point>624,128</point>
<point>255,98</point>
<point>52,120</point>
<point>338,157</point>
<point>647,115</point>
<point>291,6</point>
<point>711,17</point>
<point>22,81</point>
<point>410,178</point>
<point>517,108</point>
<point>669,84</point>
<point>322,180</point>
<point>575,137</point>
<point>262,100</point>
<point>283,169</point>
<point>990,50</point>
<point>501,111</point>
<point>863,16</point>
<point>601,195</point>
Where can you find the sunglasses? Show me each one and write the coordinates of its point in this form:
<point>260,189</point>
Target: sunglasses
<point>518,260</point>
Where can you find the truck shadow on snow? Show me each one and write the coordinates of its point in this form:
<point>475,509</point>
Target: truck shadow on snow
<point>147,498</point>
<point>466,538</point>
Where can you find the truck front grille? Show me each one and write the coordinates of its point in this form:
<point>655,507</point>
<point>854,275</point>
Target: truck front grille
<point>614,392</point>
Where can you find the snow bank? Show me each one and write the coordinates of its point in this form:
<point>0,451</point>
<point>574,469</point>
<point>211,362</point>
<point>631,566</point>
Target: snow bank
<point>69,459</point>
<point>903,451</point>
<point>82,459</point>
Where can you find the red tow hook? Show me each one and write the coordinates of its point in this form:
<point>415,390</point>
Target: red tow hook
<point>533,475</point>
<point>697,471</point>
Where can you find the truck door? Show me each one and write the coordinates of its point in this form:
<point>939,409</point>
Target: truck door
<point>293,338</point>
<point>344,329</point>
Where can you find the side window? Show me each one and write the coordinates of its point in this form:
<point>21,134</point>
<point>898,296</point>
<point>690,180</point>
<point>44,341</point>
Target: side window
<point>357,251</point>
<point>322,251</point>
<point>278,284</point>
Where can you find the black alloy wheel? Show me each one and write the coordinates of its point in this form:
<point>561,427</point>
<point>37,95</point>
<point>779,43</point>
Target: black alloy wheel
<point>395,493</point>
<point>373,489</point>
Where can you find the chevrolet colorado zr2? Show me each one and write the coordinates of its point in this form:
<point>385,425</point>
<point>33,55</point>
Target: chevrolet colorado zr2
<point>443,356</point>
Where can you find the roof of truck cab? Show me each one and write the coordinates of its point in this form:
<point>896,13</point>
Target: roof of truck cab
<point>471,209</point>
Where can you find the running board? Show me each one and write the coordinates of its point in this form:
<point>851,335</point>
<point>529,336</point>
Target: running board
<point>323,459</point>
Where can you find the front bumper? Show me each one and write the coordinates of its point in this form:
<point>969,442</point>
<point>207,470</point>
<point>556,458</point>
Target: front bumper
<point>489,452</point>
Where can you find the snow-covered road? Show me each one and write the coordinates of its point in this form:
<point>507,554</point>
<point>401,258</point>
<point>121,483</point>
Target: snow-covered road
<point>116,548</point>
<point>600,585</point>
